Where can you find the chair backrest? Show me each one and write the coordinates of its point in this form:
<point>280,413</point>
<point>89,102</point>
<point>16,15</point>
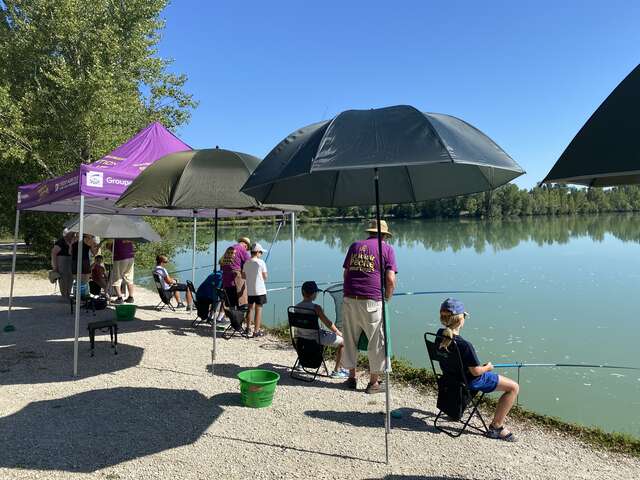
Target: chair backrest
<point>165,295</point>
<point>449,361</point>
<point>310,351</point>
<point>453,391</point>
<point>236,315</point>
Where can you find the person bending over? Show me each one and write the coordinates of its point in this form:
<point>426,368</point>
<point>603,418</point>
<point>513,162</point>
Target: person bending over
<point>171,284</point>
<point>99,273</point>
<point>332,338</point>
<point>479,377</point>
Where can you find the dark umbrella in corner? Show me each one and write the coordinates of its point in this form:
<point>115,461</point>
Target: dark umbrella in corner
<point>606,150</point>
<point>380,156</point>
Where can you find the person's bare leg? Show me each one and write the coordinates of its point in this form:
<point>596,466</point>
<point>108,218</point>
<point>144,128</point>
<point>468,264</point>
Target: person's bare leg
<point>249,315</point>
<point>338,357</point>
<point>506,401</point>
<point>130,289</point>
<point>189,297</point>
<point>257,318</point>
<point>176,295</point>
<point>118,290</point>
<point>373,378</point>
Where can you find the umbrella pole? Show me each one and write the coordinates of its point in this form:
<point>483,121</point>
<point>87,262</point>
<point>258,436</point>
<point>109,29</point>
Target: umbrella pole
<point>78,287</point>
<point>293,259</point>
<point>387,360</point>
<point>9,327</point>
<point>215,268</point>
<point>193,249</point>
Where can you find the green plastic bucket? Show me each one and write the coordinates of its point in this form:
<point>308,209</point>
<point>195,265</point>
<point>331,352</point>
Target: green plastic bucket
<point>257,387</point>
<point>125,312</point>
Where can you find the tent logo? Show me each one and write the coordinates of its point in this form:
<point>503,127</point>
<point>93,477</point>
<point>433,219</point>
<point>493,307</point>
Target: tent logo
<point>95,179</point>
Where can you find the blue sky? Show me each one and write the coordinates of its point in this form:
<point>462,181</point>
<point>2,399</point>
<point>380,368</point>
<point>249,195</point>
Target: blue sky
<point>528,73</point>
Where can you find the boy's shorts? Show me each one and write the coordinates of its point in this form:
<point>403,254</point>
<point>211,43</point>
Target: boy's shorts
<point>257,299</point>
<point>487,382</point>
<point>330,339</point>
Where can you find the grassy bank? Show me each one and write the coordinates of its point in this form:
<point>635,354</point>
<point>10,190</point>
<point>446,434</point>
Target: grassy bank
<point>423,379</point>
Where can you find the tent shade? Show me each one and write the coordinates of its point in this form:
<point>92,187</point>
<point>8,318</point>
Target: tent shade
<point>116,226</point>
<point>104,179</point>
<point>605,152</point>
<point>419,156</point>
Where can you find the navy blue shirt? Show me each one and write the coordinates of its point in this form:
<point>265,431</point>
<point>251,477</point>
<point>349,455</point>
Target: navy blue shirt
<point>206,288</point>
<point>467,354</point>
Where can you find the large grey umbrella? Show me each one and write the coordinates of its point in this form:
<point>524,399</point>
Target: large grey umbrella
<point>379,156</point>
<point>116,226</point>
<point>606,150</point>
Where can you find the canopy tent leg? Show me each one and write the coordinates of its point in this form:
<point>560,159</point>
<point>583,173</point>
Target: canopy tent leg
<point>193,249</point>
<point>387,360</point>
<point>215,268</point>
<point>293,259</point>
<point>9,326</point>
<point>78,291</point>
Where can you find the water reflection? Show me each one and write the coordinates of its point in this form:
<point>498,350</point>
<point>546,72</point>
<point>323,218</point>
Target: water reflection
<point>440,235</point>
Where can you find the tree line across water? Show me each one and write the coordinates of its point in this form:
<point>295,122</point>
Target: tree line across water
<point>507,201</point>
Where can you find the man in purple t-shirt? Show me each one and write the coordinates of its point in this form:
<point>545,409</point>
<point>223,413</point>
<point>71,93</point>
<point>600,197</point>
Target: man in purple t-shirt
<point>123,260</point>
<point>231,264</point>
<point>362,307</point>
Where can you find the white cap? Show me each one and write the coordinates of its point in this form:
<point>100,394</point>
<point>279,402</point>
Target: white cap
<point>256,247</point>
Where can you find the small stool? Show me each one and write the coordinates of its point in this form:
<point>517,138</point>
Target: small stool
<point>104,324</point>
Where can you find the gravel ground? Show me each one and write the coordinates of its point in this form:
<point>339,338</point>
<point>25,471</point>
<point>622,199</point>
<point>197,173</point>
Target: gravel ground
<point>155,411</point>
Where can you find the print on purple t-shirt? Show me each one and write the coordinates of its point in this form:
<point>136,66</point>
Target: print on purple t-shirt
<point>363,268</point>
<point>233,260</point>
<point>122,250</point>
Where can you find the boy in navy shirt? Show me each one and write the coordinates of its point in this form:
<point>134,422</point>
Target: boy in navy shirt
<point>479,377</point>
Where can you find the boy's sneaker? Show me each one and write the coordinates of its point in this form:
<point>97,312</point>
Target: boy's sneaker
<point>190,308</point>
<point>339,374</point>
<point>129,300</point>
<point>180,305</point>
<point>118,301</point>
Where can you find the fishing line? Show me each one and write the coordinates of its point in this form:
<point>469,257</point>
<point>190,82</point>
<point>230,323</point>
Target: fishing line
<point>568,365</point>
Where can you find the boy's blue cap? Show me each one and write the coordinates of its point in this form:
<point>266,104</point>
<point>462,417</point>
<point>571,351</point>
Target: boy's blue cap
<point>310,287</point>
<point>453,305</point>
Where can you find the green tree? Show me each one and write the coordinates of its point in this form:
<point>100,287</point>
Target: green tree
<point>77,78</point>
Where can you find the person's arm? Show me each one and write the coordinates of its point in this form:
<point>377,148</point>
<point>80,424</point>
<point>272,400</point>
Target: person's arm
<point>328,323</point>
<point>264,271</point>
<point>390,284</point>
<point>54,257</point>
<point>477,371</point>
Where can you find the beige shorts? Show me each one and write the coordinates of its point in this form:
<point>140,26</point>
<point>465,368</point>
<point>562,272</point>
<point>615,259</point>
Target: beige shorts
<point>122,270</point>
<point>363,316</point>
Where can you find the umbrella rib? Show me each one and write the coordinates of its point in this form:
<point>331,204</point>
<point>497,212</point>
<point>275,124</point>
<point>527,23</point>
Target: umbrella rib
<point>333,191</point>
<point>413,192</point>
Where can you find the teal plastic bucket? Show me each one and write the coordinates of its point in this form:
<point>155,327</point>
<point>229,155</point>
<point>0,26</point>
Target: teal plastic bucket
<point>257,387</point>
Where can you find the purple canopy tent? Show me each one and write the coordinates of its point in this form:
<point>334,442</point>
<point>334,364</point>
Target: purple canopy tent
<point>95,187</point>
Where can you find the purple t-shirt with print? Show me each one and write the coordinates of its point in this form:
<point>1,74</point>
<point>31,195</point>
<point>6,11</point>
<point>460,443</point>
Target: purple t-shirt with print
<point>123,249</point>
<point>233,260</point>
<point>363,268</point>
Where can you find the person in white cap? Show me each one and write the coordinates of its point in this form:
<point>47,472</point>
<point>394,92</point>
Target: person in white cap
<point>254,272</point>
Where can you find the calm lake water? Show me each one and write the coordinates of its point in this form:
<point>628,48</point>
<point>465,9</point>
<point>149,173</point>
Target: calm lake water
<point>556,290</point>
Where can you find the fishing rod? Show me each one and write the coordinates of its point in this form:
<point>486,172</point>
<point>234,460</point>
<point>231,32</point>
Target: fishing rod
<point>280,223</point>
<point>570,365</point>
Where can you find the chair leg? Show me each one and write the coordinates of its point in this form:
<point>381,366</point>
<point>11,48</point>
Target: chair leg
<point>92,341</point>
<point>115,343</point>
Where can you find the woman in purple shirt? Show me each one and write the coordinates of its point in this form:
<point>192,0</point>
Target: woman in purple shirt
<point>231,265</point>
<point>362,307</point>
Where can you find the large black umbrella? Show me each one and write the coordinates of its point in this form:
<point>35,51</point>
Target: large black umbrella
<point>379,156</point>
<point>606,150</point>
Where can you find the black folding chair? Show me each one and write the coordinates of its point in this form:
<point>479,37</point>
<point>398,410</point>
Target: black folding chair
<point>165,295</point>
<point>236,316</point>
<point>454,395</point>
<point>310,351</point>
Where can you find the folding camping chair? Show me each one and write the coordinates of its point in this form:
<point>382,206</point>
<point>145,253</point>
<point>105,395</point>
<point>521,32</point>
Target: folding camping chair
<point>454,395</point>
<point>310,352</point>
<point>236,316</point>
<point>165,295</point>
